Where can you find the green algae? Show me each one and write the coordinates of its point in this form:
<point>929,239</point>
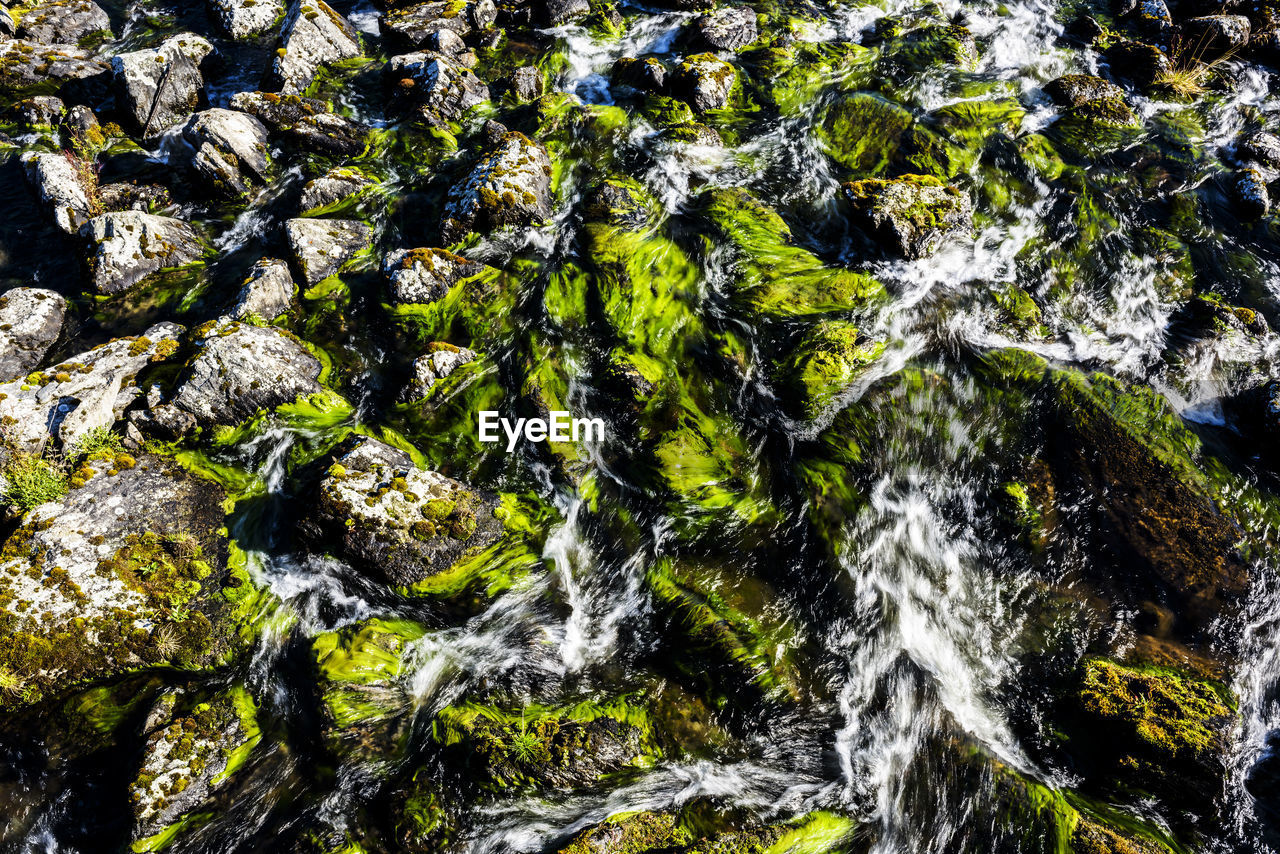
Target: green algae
<point>826,361</point>
<point>863,132</point>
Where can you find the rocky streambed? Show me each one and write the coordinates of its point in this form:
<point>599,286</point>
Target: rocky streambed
<point>937,503</point>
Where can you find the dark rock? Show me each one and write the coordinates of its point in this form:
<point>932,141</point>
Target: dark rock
<point>731,28</point>
<point>527,83</point>
<point>305,122</point>
<point>157,88</point>
<point>437,82</point>
<point>1259,148</point>
<point>324,247</point>
<point>557,12</point>
<point>1249,191</point>
<point>1072,90</point>
<point>493,132</point>
<point>413,26</point>
<point>1215,35</point>
<point>643,74</point>
<point>1139,62</point>
<point>63,22</point>
<point>909,216</point>
<point>80,121</point>
<point>313,35</point>
<point>147,198</point>
<point>1152,20</point>
<point>511,186</point>
<point>30,322</point>
<point>705,81</point>
<point>42,111</point>
<point>230,150</point>
<point>128,247</point>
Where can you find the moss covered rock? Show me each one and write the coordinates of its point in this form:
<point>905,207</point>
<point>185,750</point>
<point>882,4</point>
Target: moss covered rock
<point>826,361</point>
<point>863,131</point>
<point>909,216</point>
<point>511,186</point>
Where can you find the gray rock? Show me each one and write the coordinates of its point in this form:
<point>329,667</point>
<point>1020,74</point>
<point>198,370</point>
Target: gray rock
<point>431,367</point>
<point>732,28</point>
<point>61,185</point>
<point>705,81</point>
<point>147,198</point>
<point>448,43</point>
<point>323,247</point>
<point>30,322</point>
<point>230,150</point>
<point>304,121</point>
<point>80,120</point>
<point>24,64</point>
<point>244,18</point>
<point>42,111</point>
<point>1260,148</point>
<point>426,275</point>
<point>86,392</point>
<point>7,27</point>
<point>438,82</point>
<point>1249,190</point>
<point>527,83</point>
<point>511,186</point>
<point>63,22</point>
<point>413,25</point>
<point>159,87</point>
<point>1215,35</point>
<point>267,292</point>
<point>401,522</point>
<point>1072,90</point>
<point>314,35</point>
<point>128,247</point>
<point>241,370</point>
<point>336,185</point>
<point>910,216</point>
<point>558,12</point>
<point>644,74</point>
<point>194,744</point>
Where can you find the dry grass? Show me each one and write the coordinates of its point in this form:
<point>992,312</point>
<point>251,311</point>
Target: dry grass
<point>1189,73</point>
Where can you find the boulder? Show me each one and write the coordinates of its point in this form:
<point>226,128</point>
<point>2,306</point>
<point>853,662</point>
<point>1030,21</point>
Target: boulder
<point>825,362</point>
<point>1072,90</point>
<point>437,82</point>
<point>147,198</point>
<point>42,112</point>
<point>731,29</point>
<point>62,183</point>
<point>336,185</point>
<point>556,13</point>
<point>126,572</point>
<point>1260,149</point>
<point>128,247</point>
<point>1215,35</point>
<point>24,64</point>
<point>1153,20</point>
<point>1249,191</point>
<point>511,186</point>
<point>438,362</point>
<point>159,87</point>
<point>193,746</point>
<point>643,74</point>
<point>527,83</point>
<point>324,247</point>
<point>267,293</point>
<point>241,370</point>
<point>1140,62</point>
<point>413,25</point>
<point>88,391</point>
<point>705,81</point>
<point>30,322</point>
<point>305,121</point>
<point>376,510</point>
<point>909,216</point>
<point>313,35</point>
<point>63,22</point>
<point>244,18</point>
<point>425,275</point>
<point>231,155</point>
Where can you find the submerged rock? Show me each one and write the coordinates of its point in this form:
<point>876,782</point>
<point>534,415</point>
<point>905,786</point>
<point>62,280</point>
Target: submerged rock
<point>644,74</point>
<point>376,509</point>
<point>863,132</point>
<point>63,22</point>
<point>63,183</point>
<point>128,247</point>
<point>426,275</point>
<point>1259,148</point>
<point>325,247</point>
<point>191,752</point>
<point>267,293</point>
<point>1095,127</point>
<point>826,361</point>
<point>241,370</point>
<point>244,18</point>
<point>705,81</point>
<point>511,186</point>
<point>313,35</point>
<point>159,87</point>
<point>438,82</point>
<point>230,150</point>
<point>909,216</point>
<point>30,323</point>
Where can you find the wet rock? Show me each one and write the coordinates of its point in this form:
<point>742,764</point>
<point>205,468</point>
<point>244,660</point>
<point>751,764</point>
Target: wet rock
<point>438,362</point>
<point>426,275</point>
<point>30,322</point>
<point>527,84</point>
<point>826,362</point>
<point>313,35</point>
<point>63,22</point>
<point>644,74</point>
<point>1249,191</point>
<point>336,185</point>
<point>438,82</point>
<point>1096,127</point>
<point>450,44</point>
<point>99,583</point>
<point>267,292</point>
<point>705,81</point>
<point>306,122</point>
<point>324,247</point>
<point>511,186</point>
<point>731,28</point>
<point>1152,20</point>
<point>1142,63</point>
<point>244,18</point>
<point>558,12</point>
<point>398,521</point>
<point>147,198</point>
<point>1072,90</point>
<point>190,753</point>
<point>157,88</point>
<point>909,216</point>
<point>128,247</point>
<point>1259,148</point>
<point>863,132</point>
<point>230,150</point>
<point>60,182</point>
<point>24,64</point>
<point>414,25</point>
<point>1215,35</point>
<point>241,369</point>
<point>42,111</point>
